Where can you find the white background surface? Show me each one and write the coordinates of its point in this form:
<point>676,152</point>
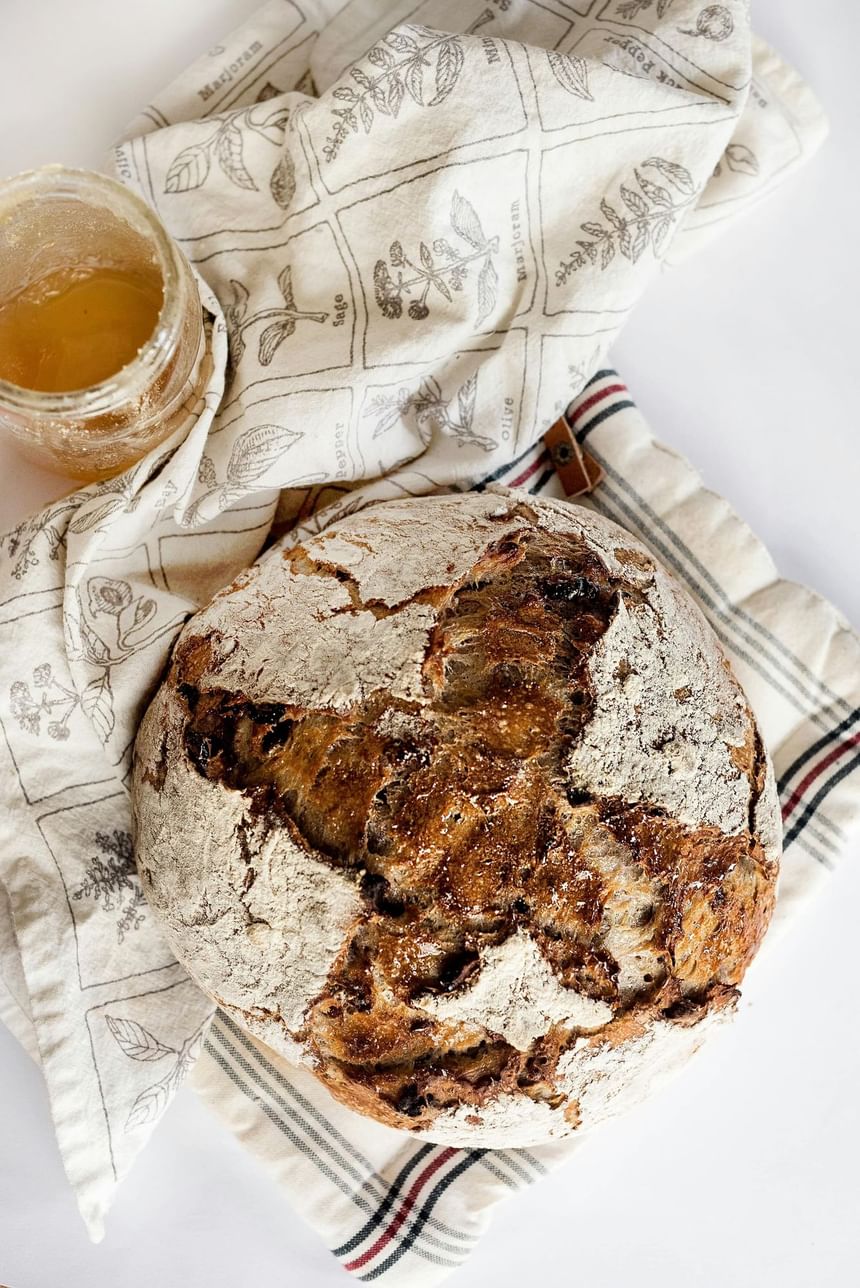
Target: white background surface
<point>746,1174</point>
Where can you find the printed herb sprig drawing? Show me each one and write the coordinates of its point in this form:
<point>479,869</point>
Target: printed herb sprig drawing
<point>282,321</point>
<point>139,1044</point>
<point>412,62</point>
<point>442,269</point>
<point>48,529</point>
<point>225,146</point>
<point>431,410</point>
<point>649,217</point>
<point>111,880</point>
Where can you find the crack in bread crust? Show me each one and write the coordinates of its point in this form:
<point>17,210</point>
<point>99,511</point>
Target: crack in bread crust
<point>454,814</point>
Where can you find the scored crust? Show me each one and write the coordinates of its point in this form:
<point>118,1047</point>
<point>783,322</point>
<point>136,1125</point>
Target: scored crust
<point>460,805</point>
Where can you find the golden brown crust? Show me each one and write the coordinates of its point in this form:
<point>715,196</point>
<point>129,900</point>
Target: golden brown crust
<point>455,818</point>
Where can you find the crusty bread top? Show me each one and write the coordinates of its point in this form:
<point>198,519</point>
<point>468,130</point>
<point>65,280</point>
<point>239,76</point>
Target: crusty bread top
<point>460,804</point>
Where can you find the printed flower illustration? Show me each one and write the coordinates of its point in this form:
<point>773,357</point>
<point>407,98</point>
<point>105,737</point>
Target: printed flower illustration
<point>443,269</point>
<point>52,700</point>
<point>411,62</point>
<point>432,410</point>
<point>111,881</point>
<point>282,321</point>
<point>649,217</point>
<point>108,596</point>
<point>139,1044</point>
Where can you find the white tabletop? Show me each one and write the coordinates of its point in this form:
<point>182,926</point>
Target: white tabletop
<point>745,1172</point>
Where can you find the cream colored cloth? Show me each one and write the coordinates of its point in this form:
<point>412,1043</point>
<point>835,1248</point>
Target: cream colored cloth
<point>418,227</point>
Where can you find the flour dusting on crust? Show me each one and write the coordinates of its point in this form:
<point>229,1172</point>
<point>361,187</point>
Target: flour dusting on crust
<point>516,994</point>
<point>459,804</point>
<point>666,715</point>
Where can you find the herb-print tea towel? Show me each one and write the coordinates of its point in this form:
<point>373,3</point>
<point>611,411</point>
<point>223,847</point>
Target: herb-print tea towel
<point>417,228</point>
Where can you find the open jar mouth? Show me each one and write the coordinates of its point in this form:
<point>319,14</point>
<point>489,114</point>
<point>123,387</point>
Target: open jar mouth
<point>62,184</point>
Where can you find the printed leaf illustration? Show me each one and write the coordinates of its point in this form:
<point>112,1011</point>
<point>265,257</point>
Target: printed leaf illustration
<point>660,232</point>
<point>413,79</point>
<point>138,1044</point>
<point>394,96</point>
<point>465,221</point>
<point>282,184</point>
<point>487,281</point>
<point>633,201</point>
<point>72,642</point>
<point>257,450</point>
<point>571,72</point>
<point>135,1041</point>
<point>272,337</point>
<point>380,57</point>
<point>610,213</point>
<point>633,241</point>
<point>466,400</point>
<point>741,159</point>
<point>144,611</point>
<point>151,1103</point>
<point>97,705</point>
<point>228,148</point>
<point>448,68</point>
<point>285,285</point>
<point>402,43</point>
<point>189,170</point>
<point>94,648</point>
<point>189,1052</point>
<point>92,518</point>
<point>653,191</point>
<point>240,297</point>
<point>234,314</point>
<point>677,175</point>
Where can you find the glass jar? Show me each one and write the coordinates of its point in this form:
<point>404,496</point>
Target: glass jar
<point>86,245</point>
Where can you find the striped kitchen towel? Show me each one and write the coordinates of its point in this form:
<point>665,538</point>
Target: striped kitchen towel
<point>408,1212</point>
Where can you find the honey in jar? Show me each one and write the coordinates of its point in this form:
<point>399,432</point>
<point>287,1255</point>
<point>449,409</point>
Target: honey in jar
<point>77,327</point>
<point>101,333</point>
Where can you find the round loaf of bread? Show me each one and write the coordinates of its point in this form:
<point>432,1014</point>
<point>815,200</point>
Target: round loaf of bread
<point>459,805</point>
